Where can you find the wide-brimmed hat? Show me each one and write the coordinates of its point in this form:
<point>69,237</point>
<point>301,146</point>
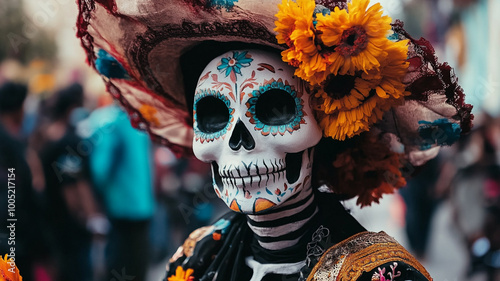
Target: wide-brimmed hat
<point>137,47</point>
<point>399,98</point>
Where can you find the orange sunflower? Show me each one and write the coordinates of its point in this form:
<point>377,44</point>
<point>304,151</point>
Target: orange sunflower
<point>181,275</point>
<point>357,37</point>
<point>349,104</point>
<point>295,28</point>
<point>7,271</point>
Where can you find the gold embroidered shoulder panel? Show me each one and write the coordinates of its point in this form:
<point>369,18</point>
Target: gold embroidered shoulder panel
<point>362,253</point>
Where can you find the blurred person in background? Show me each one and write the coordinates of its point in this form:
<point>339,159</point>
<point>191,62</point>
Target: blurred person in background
<point>70,204</point>
<point>121,168</point>
<point>166,184</point>
<point>472,178</point>
<point>184,186</point>
<point>28,247</point>
<point>421,202</point>
<point>471,175</point>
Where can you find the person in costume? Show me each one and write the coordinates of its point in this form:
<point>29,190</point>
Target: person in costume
<point>296,105</point>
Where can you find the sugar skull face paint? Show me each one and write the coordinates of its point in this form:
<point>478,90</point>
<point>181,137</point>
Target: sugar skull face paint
<point>254,124</point>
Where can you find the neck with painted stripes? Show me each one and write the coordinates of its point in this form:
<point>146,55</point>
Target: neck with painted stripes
<point>285,226</point>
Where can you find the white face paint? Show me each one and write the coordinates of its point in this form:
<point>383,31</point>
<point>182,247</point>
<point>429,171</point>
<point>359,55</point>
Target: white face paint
<point>253,122</point>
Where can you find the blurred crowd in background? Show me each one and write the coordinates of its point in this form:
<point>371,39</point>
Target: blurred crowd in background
<point>96,200</point>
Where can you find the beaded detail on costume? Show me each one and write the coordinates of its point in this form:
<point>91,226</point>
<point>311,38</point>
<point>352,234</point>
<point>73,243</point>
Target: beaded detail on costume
<point>361,253</point>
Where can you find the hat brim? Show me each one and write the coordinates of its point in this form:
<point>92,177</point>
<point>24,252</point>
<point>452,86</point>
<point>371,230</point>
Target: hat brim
<point>149,41</point>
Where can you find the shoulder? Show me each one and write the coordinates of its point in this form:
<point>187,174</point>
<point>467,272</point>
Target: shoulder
<point>106,116</point>
<point>368,256</point>
<point>202,246</point>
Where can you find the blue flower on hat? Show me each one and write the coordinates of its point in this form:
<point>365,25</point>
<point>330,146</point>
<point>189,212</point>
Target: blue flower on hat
<point>440,132</point>
<point>228,4</point>
<point>231,66</point>
<point>108,66</point>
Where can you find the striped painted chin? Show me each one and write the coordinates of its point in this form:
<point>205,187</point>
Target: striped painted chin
<point>283,227</point>
<point>258,186</point>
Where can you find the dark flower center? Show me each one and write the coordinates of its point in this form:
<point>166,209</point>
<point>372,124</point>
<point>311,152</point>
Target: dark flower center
<point>353,41</point>
<point>339,86</point>
<point>294,63</point>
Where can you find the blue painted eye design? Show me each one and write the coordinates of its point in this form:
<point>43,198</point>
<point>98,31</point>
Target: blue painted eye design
<point>275,108</point>
<point>109,66</point>
<point>212,115</point>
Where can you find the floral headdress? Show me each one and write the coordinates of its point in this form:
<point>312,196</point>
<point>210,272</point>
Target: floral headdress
<point>357,66</point>
<point>383,100</point>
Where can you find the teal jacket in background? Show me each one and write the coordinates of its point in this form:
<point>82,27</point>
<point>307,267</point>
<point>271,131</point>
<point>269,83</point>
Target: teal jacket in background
<point>121,165</point>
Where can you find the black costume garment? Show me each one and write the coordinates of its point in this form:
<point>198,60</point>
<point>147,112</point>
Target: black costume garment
<point>15,178</point>
<point>63,168</point>
<point>337,245</point>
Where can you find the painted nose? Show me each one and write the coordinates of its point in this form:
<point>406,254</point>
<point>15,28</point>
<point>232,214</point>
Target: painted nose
<point>241,137</point>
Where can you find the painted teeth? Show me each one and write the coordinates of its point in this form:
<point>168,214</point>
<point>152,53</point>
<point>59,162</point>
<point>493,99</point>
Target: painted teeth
<point>253,172</point>
<point>247,182</point>
<point>253,169</point>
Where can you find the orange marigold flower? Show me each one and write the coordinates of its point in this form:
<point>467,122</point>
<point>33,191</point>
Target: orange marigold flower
<point>216,236</point>
<point>8,270</point>
<point>295,25</point>
<point>181,275</point>
<point>357,36</point>
<point>349,105</point>
<point>295,28</point>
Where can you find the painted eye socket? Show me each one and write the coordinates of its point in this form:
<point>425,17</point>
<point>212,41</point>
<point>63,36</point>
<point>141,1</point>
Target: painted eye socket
<point>275,107</point>
<point>212,115</point>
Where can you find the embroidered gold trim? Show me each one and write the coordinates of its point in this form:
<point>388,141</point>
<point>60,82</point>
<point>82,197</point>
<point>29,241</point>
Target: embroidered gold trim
<point>194,238</point>
<point>361,252</point>
<point>376,255</point>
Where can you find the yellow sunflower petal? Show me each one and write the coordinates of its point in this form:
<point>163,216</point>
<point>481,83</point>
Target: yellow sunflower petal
<point>374,94</point>
<point>357,34</point>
